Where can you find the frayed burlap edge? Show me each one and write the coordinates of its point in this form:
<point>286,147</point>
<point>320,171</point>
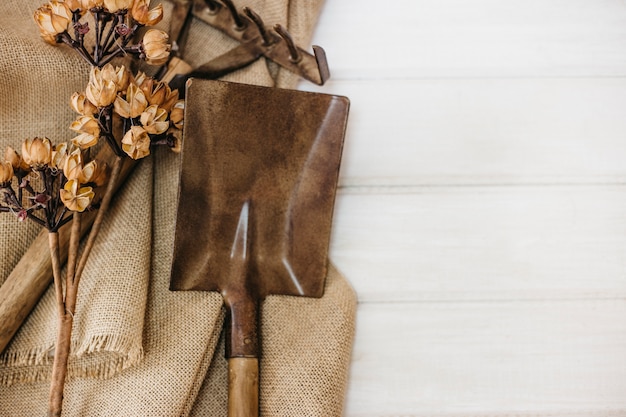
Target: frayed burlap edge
<point>34,365</point>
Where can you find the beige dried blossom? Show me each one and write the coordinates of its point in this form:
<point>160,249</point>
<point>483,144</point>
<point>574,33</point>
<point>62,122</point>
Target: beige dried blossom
<point>143,15</point>
<point>16,160</point>
<point>76,198</point>
<point>89,130</point>
<point>86,124</point>
<point>171,97</point>
<point>155,47</point>
<point>90,4</point>
<point>159,93</point>
<point>6,172</point>
<point>177,114</point>
<point>140,78</point>
<point>133,105</point>
<point>74,5</point>
<point>94,173</point>
<point>81,105</point>
<point>154,120</point>
<point>100,92</point>
<point>85,140</point>
<point>136,142</point>
<point>117,5</point>
<point>59,154</point>
<point>73,165</point>
<point>37,152</point>
<point>53,18</point>
<point>50,38</point>
<point>119,75</point>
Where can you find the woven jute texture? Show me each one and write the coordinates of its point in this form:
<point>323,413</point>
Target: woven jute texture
<point>137,348</point>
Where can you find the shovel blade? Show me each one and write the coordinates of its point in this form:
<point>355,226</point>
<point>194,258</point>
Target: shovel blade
<point>258,176</point>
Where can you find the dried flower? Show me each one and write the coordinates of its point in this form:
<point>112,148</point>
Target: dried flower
<point>116,5</point>
<point>119,75</point>
<point>42,199</point>
<point>53,18</point>
<point>91,4</point>
<point>50,38</point>
<point>140,78</point>
<point>75,198</point>
<point>6,173</point>
<point>133,105</point>
<point>93,173</point>
<point>22,215</point>
<point>178,113</point>
<point>144,16</point>
<point>155,47</point>
<point>154,120</point>
<point>81,105</point>
<point>100,92</point>
<point>16,160</point>
<point>89,130</point>
<point>85,140</point>
<point>158,92</point>
<point>74,4</point>
<point>73,165</point>
<point>136,142</point>
<point>59,154</point>
<point>37,152</point>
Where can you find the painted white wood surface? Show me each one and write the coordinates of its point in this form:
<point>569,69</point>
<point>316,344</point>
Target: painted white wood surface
<point>482,210</point>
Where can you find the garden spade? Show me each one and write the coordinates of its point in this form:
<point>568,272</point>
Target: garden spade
<point>257,189</point>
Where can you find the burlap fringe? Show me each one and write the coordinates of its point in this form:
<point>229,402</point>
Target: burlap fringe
<point>34,365</point>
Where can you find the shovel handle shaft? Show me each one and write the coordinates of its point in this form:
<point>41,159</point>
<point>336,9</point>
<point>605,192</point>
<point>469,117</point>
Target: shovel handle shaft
<point>175,67</point>
<point>243,387</point>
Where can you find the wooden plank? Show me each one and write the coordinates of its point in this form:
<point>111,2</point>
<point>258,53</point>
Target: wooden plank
<point>484,131</point>
<point>406,39</point>
<point>482,243</point>
<point>556,359</point>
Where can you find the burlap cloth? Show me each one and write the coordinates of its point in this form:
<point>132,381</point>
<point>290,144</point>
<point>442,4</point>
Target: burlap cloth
<point>139,349</point>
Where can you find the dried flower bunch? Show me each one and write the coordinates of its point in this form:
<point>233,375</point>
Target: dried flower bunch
<point>53,185</point>
<point>115,25</point>
<point>151,113</point>
<point>50,182</point>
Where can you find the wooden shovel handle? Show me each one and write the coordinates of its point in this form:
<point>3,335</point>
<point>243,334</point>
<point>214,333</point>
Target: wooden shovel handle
<point>175,67</point>
<point>243,387</point>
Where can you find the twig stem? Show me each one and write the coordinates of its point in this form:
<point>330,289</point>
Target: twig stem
<point>61,353</point>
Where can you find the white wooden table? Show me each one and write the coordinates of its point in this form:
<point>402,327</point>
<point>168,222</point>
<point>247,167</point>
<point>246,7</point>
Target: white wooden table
<point>482,209</point>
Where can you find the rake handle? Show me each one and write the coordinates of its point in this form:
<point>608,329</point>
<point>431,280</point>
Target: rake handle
<point>243,387</point>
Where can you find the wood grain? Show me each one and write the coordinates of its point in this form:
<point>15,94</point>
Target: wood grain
<point>410,39</point>
<point>513,359</point>
<point>482,243</point>
<point>243,387</point>
<point>521,131</point>
<point>481,214</point>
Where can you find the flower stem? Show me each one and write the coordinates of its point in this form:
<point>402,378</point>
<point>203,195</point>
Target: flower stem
<point>106,45</point>
<point>77,46</point>
<point>59,368</point>
<point>66,306</point>
<point>96,51</point>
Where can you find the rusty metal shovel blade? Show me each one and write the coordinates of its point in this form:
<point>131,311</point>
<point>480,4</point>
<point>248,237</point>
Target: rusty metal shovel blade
<point>257,189</point>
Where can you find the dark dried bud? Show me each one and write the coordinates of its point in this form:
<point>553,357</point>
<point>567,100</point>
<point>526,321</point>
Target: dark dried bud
<point>123,30</point>
<point>22,215</point>
<point>82,28</point>
<point>42,199</point>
